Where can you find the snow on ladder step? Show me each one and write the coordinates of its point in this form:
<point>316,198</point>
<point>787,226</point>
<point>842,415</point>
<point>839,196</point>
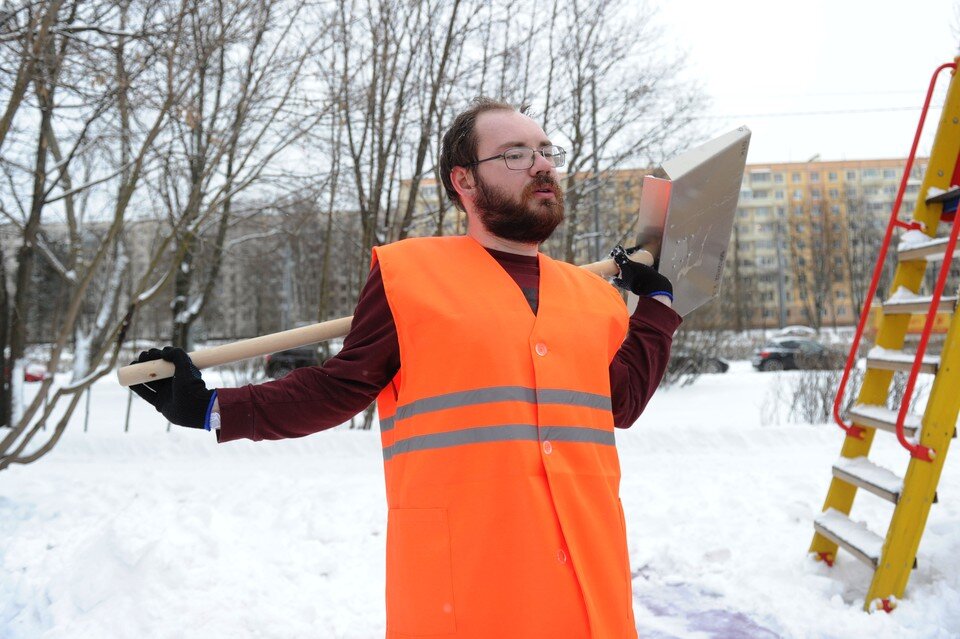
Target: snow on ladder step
<point>917,245</point>
<point>904,301</point>
<point>853,537</point>
<point>891,360</point>
<point>860,471</point>
<point>883,418</point>
<point>939,195</point>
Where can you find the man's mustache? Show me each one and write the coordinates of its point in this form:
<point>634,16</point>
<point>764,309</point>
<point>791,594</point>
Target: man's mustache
<point>543,182</point>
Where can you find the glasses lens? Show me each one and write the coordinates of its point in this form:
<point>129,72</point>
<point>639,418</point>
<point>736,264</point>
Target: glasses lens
<point>518,158</point>
<point>554,155</point>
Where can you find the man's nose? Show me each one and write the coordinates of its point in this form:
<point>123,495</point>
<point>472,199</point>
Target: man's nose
<point>540,164</point>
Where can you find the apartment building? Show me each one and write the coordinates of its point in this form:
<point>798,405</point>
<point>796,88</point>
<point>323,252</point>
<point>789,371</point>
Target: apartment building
<point>807,235</point>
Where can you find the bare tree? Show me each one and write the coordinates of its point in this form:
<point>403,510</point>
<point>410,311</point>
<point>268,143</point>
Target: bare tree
<point>615,99</point>
<point>246,107</point>
<point>83,34</point>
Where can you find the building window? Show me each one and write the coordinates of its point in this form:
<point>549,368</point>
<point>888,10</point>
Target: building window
<point>851,175</point>
<point>798,194</point>
<point>871,173</point>
<point>814,177</point>
<point>795,177</point>
<point>890,173</point>
<point>778,178</point>
<point>761,195</point>
<point>760,176</point>
<point>834,194</point>
<point>778,195</point>
<point>815,194</point>
<point>832,176</point>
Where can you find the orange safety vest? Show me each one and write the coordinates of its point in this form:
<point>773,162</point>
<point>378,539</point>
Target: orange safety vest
<point>501,469</point>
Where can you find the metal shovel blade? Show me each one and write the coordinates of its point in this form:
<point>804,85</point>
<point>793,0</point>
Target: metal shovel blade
<point>687,224</point>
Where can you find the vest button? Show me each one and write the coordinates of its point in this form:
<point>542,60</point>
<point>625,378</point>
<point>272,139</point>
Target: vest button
<point>541,349</point>
<point>561,556</point>
<point>547,447</point>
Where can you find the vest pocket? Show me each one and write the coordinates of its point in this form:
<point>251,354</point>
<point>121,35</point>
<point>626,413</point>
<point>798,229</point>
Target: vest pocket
<point>419,580</point>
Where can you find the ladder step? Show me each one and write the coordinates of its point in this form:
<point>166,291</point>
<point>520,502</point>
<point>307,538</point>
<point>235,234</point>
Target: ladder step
<point>906,302</point>
<point>852,536</point>
<point>890,360</point>
<point>860,471</point>
<point>912,247</point>
<point>940,195</point>
<point>883,418</point>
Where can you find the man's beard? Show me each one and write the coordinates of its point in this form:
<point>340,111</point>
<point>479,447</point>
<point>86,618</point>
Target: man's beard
<point>529,220</point>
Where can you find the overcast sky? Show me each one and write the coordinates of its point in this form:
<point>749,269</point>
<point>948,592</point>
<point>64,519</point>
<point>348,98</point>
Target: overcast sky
<point>862,66</point>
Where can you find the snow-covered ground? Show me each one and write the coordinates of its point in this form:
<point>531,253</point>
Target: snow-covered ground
<point>156,534</point>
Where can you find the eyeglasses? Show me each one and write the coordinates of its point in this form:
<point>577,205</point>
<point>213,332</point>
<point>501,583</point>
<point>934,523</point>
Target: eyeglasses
<point>520,158</point>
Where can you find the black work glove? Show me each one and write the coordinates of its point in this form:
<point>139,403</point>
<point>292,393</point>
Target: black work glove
<point>182,399</point>
<point>642,280</point>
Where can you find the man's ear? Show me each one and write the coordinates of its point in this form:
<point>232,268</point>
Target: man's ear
<point>464,182</point>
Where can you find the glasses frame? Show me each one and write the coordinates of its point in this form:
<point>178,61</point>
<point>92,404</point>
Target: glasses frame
<point>533,155</point>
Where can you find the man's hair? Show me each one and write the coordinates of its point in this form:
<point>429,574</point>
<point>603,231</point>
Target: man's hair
<point>459,147</point>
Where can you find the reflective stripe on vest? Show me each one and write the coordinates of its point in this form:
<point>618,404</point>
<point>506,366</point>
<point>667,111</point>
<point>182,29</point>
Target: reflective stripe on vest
<point>500,433</point>
<point>498,394</point>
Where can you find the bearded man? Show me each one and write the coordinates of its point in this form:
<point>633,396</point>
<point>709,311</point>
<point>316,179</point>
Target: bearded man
<point>500,376</point>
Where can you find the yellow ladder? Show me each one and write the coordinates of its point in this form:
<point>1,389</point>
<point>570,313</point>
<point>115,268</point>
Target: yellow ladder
<point>894,556</point>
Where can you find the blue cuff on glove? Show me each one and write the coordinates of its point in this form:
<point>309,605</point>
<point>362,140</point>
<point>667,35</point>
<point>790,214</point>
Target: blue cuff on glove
<point>664,293</point>
<point>213,399</point>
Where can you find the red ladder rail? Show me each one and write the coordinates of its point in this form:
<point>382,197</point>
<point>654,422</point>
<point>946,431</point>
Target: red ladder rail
<point>851,429</point>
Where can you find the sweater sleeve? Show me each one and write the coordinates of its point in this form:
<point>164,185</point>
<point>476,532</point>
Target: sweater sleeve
<point>639,365</point>
<point>309,400</point>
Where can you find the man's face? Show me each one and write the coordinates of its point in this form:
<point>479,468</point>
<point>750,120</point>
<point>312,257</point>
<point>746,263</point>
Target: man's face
<point>519,205</point>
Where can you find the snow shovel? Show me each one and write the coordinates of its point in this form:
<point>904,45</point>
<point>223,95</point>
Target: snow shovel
<point>687,209</point>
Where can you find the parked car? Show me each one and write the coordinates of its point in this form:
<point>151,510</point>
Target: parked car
<point>684,361</point>
<point>280,364</point>
<point>793,353</point>
<point>35,373</point>
<point>795,330</point>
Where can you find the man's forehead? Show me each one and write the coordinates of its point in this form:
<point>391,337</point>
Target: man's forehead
<point>502,128</point>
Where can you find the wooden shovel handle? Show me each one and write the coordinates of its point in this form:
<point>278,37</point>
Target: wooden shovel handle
<point>294,338</point>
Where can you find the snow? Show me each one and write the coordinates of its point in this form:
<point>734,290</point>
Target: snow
<point>168,534</point>
<point>871,473</point>
<point>892,355</point>
<point>16,390</point>
<point>934,192</point>
<point>881,413</point>
<point>903,294</point>
<point>853,532</point>
<point>913,239</point>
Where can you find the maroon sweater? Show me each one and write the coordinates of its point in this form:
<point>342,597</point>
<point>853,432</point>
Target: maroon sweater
<point>312,399</point>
